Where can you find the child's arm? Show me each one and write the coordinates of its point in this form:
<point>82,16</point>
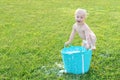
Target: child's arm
<point>71,36</point>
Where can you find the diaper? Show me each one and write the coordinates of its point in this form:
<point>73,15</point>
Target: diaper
<point>84,41</point>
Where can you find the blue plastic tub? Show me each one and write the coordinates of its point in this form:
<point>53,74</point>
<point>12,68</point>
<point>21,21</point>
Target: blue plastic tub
<point>76,59</point>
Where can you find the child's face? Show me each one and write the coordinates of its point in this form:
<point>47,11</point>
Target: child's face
<point>79,17</point>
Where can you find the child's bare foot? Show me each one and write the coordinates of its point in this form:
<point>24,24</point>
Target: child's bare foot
<point>93,48</point>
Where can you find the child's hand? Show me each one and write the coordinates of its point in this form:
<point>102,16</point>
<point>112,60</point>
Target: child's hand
<point>67,43</point>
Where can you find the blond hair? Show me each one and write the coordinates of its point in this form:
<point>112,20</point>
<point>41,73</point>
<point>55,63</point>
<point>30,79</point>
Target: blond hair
<point>81,11</point>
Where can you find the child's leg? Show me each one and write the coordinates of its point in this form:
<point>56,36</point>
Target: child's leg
<point>93,41</point>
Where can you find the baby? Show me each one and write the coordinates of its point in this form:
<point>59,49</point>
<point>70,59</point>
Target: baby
<point>87,35</point>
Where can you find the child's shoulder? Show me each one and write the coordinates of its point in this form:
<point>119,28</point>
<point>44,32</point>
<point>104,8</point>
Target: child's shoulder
<point>86,27</point>
<point>74,25</point>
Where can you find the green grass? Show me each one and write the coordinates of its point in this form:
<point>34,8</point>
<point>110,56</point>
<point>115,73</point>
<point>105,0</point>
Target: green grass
<point>32,33</point>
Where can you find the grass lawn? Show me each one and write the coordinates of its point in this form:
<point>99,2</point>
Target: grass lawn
<point>32,33</point>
